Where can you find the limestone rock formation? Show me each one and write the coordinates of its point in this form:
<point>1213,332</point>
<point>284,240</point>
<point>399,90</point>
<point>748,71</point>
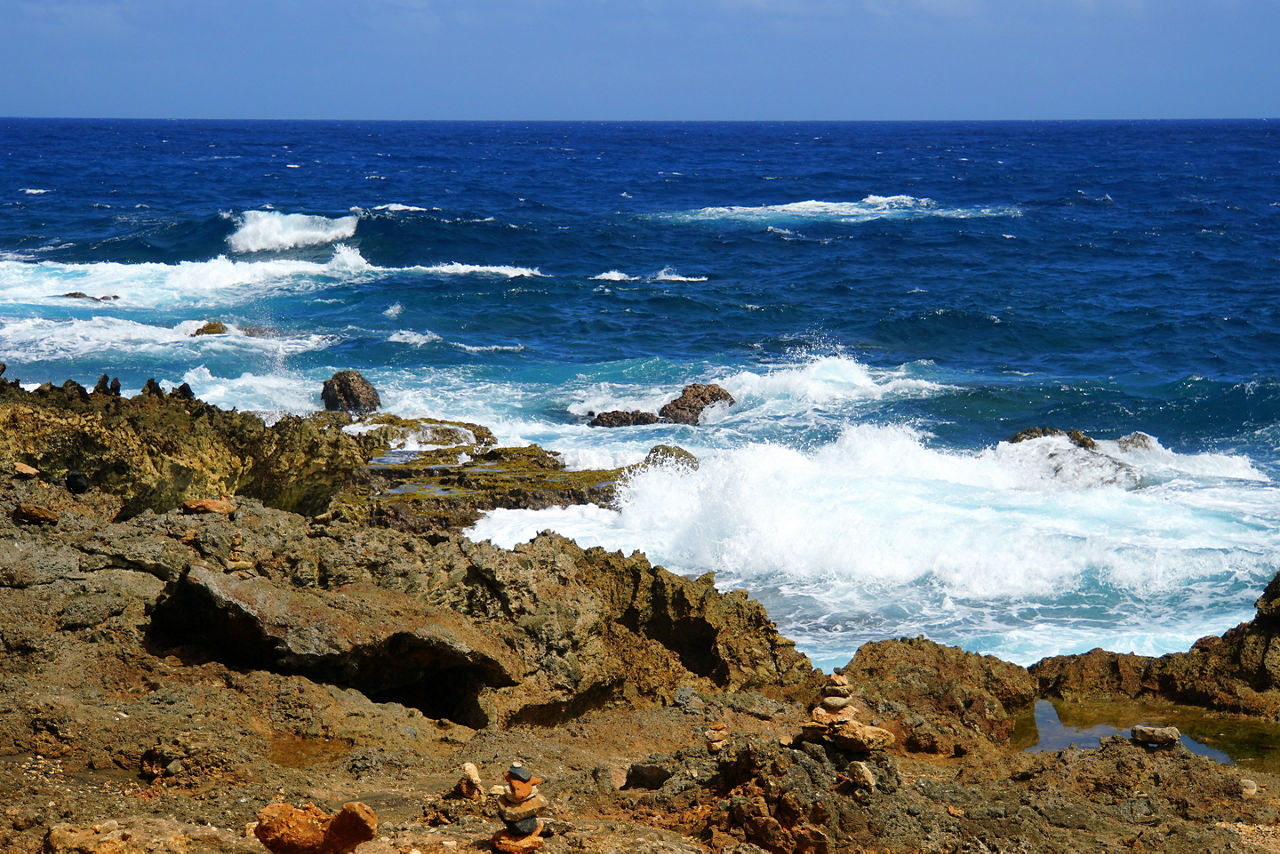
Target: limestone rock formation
<point>688,407</point>
<point>349,391</point>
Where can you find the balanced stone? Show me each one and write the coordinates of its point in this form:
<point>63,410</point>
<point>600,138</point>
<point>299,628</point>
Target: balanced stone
<point>1156,735</point>
<point>519,811</point>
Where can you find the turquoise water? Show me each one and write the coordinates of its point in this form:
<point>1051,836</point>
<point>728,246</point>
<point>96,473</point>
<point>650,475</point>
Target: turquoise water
<point>887,302</point>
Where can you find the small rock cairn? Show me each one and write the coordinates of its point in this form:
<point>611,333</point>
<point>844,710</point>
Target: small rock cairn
<point>519,806</point>
<point>834,720</point>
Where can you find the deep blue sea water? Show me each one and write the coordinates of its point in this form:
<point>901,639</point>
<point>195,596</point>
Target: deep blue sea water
<point>887,302</point>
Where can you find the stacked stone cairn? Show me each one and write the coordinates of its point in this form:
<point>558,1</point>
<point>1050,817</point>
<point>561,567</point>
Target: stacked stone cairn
<point>835,721</point>
<point>716,734</point>
<point>519,806</point>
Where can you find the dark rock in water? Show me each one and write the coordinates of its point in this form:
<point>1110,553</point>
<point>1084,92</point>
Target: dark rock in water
<point>1077,438</point>
<point>622,418</point>
<point>213,327</point>
<point>349,391</point>
<point>77,483</point>
<point>83,295</point>
<point>687,408</point>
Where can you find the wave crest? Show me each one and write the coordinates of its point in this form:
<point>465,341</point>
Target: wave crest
<point>264,231</point>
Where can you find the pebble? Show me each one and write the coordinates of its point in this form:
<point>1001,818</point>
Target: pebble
<point>1248,788</point>
<point>835,703</point>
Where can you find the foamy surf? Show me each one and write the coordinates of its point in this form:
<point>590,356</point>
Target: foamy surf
<point>881,534</point>
<point>220,281</point>
<point>264,231</point>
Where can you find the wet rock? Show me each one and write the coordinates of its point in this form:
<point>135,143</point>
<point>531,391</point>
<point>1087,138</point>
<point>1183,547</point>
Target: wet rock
<point>1077,438</point>
<point>621,418</point>
<point>213,327</point>
<point>688,407</point>
<point>285,829</point>
<point>1157,736</point>
<point>349,391</point>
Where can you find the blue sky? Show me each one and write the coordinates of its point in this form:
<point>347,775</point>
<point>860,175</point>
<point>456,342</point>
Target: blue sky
<point>641,59</point>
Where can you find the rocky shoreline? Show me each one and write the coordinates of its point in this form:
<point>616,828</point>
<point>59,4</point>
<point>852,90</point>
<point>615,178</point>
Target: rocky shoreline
<point>202,615</point>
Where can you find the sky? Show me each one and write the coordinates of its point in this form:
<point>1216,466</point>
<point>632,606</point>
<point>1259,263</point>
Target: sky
<point>641,59</point>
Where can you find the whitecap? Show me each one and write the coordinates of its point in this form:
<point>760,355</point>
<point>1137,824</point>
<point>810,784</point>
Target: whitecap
<point>455,269</point>
<point>669,274</point>
<point>614,276</point>
<point>417,339</point>
<point>260,231</point>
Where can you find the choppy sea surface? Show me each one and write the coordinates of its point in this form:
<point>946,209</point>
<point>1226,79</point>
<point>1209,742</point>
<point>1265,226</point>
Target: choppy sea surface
<point>887,302</point>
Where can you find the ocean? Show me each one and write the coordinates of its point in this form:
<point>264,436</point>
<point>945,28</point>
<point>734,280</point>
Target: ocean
<point>887,302</point>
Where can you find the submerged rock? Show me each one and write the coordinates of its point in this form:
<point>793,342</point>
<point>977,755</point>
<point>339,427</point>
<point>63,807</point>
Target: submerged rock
<point>349,391</point>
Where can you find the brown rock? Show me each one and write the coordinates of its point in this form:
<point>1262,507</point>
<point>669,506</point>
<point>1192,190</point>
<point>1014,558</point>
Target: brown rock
<point>860,737</point>
<point>213,327</point>
<point>285,829</point>
<point>1159,736</point>
<point>24,470</point>
<point>512,843</point>
<point>522,790</point>
<point>687,408</point>
<point>527,808</point>
<point>208,505</point>
<point>34,514</point>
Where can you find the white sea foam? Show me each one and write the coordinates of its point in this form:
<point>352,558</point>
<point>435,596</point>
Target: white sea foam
<point>42,339</point>
<point>417,339</point>
<point>393,311</point>
<point>614,276</point>
<point>871,207</point>
<point>220,281</point>
<point>396,207</point>
<point>669,274</point>
<point>261,231</point>
<point>882,530</point>
<point>454,269</point>
<point>33,191</point>
<point>267,393</point>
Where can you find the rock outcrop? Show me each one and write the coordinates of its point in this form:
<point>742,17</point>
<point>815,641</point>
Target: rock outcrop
<point>693,399</point>
<point>349,391</point>
<point>1237,672</point>
<point>622,418</point>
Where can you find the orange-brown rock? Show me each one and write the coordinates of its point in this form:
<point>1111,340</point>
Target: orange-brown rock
<point>513,843</point>
<point>522,790</point>
<point>286,829</point>
<point>24,470</point>
<point>208,505</point>
<point>34,514</point>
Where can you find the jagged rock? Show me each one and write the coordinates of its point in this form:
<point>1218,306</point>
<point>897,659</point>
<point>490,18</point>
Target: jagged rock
<point>213,327</point>
<point>285,829</point>
<point>621,418</point>
<point>687,408</point>
<point>349,391</point>
<point>939,699</point>
<point>24,470</point>
<point>1078,438</point>
<point>156,450</point>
